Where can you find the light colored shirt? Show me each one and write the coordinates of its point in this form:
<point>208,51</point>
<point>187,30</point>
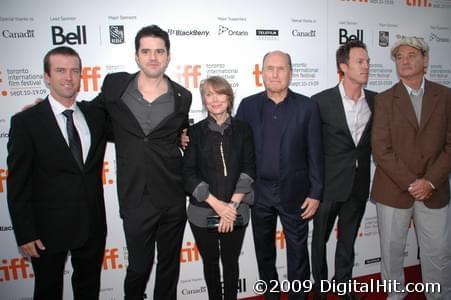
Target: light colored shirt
<point>357,113</point>
<point>416,97</point>
<point>80,124</point>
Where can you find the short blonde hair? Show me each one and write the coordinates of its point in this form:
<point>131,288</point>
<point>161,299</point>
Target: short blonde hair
<point>220,86</point>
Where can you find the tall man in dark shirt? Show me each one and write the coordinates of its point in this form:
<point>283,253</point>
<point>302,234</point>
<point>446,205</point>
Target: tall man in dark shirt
<point>289,159</point>
<point>346,122</point>
<point>148,111</point>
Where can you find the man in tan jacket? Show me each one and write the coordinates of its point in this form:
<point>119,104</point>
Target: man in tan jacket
<point>411,142</point>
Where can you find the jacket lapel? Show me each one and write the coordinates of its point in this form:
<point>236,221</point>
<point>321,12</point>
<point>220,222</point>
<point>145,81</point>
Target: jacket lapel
<point>370,101</point>
<point>337,107</point>
<point>93,131</point>
<point>124,115</point>
<point>428,104</point>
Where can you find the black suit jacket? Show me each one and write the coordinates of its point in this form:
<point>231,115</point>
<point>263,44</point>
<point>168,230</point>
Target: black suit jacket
<point>200,165</point>
<point>301,150</point>
<point>340,152</point>
<point>49,196</point>
<point>152,162</point>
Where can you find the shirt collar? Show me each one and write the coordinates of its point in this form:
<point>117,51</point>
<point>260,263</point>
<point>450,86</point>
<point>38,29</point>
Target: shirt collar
<point>212,125</point>
<point>411,91</point>
<point>58,108</point>
<point>343,95</point>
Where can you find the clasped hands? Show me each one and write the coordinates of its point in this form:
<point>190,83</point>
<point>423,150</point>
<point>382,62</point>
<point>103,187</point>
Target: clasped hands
<point>227,214</point>
<point>420,189</point>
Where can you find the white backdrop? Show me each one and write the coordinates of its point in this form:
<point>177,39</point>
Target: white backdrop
<point>226,38</point>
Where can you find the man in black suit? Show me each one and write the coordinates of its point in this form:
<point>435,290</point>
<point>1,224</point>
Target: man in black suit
<point>346,123</point>
<point>289,159</point>
<point>55,191</point>
<point>148,112</point>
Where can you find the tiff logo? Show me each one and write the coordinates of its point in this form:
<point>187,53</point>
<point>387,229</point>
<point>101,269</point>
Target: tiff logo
<point>105,170</point>
<point>280,239</point>
<point>189,253</point>
<point>257,75</point>
<point>15,269</point>
<point>3,175</point>
<point>117,34</point>
<point>190,74</point>
<point>110,260</point>
<point>418,3</point>
<point>90,78</point>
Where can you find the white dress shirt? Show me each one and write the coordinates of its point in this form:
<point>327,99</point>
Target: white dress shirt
<point>357,113</point>
<point>79,121</point>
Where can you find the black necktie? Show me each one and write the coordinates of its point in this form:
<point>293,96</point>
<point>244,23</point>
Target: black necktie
<point>74,138</point>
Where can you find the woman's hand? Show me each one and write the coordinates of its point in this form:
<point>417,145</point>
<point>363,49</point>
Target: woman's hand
<point>225,226</point>
<point>224,210</point>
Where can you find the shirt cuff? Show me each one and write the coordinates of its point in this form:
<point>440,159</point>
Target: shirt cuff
<point>201,192</point>
<point>244,184</point>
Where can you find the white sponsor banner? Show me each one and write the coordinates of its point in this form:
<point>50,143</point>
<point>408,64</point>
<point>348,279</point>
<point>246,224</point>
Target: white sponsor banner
<point>226,38</point>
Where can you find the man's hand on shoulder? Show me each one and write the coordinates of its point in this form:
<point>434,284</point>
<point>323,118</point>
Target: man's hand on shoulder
<point>37,101</point>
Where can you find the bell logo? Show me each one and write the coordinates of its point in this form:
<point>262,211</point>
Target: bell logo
<point>343,37</point>
<point>257,75</point>
<point>189,72</point>
<point>71,38</point>
<point>3,175</point>
<point>15,269</point>
<point>90,78</point>
<point>418,3</point>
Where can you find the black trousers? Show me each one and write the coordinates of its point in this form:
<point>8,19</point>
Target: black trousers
<point>350,215</point>
<point>145,226</point>
<point>86,263</point>
<point>264,220</point>
<point>213,245</point>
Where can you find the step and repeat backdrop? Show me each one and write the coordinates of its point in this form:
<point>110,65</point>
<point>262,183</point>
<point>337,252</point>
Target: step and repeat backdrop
<point>225,38</point>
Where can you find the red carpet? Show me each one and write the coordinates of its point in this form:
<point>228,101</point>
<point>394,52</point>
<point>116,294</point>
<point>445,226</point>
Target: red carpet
<point>413,274</point>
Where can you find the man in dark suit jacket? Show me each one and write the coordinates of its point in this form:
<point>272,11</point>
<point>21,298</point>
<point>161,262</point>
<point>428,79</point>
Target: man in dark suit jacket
<point>411,142</point>
<point>148,112</point>
<point>289,159</point>
<point>346,123</point>
<point>55,191</point>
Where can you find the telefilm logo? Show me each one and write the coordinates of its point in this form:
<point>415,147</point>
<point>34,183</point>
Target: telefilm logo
<point>59,37</point>
<point>117,35</point>
<point>435,38</point>
<point>189,32</point>
<point>223,30</point>
<point>300,33</point>
<point>267,34</point>
<point>384,38</point>
<point>344,36</point>
<point>24,34</point>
